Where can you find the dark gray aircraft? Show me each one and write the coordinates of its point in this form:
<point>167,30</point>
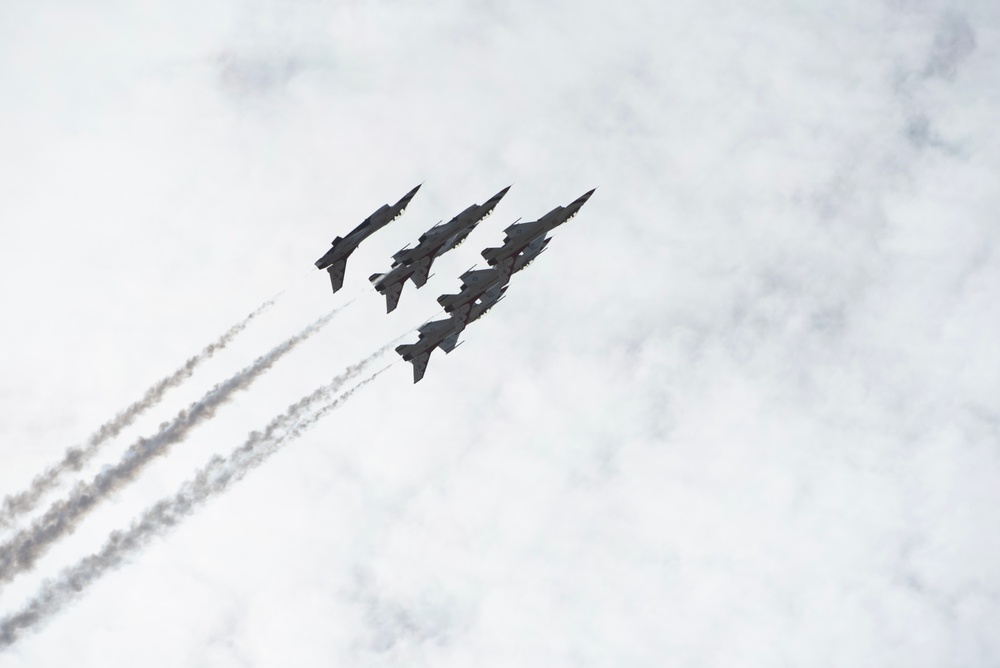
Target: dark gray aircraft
<point>335,260</point>
<point>444,334</point>
<point>521,236</point>
<point>415,263</point>
<point>475,283</point>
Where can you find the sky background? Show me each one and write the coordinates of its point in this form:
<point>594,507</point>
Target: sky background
<point>743,411</point>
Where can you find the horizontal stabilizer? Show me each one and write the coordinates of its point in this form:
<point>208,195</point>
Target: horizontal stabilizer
<point>392,293</point>
<point>420,366</point>
<point>336,271</point>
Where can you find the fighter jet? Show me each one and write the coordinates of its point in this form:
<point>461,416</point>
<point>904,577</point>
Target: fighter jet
<point>521,236</point>
<point>335,260</point>
<point>444,334</point>
<point>475,283</point>
<point>438,334</point>
<point>415,263</point>
<point>445,236</point>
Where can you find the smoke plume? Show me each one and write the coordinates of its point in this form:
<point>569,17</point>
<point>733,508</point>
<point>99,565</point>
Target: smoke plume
<point>16,505</point>
<point>213,479</point>
<point>24,548</point>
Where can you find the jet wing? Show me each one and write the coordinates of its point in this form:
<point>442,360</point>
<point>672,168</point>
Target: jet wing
<point>434,230</point>
<point>454,241</point>
<point>477,276</point>
<point>518,230</point>
<point>336,271</point>
<point>529,254</point>
<point>450,343</point>
<point>436,328</point>
<point>493,294</point>
<point>402,256</point>
<point>488,301</point>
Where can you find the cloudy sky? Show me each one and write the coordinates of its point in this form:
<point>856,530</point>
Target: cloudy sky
<point>744,411</point>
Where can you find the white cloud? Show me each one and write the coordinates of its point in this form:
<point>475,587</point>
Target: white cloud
<point>743,410</point>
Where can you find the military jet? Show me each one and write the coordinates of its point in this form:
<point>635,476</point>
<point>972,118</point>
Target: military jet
<point>444,334</point>
<point>335,260</point>
<point>438,334</point>
<point>475,283</point>
<point>521,236</point>
<point>415,263</point>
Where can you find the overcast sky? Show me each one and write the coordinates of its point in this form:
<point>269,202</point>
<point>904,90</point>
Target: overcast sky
<point>744,411</point>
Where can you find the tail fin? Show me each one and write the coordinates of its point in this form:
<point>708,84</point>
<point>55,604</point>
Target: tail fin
<point>419,361</point>
<point>420,366</point>
<point>491,254</point>
<point>448,302</point>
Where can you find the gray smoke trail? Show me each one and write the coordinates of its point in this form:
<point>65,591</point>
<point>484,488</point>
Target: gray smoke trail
<point>20,552</point>
<point>16,505</point>
<point>213,479</point>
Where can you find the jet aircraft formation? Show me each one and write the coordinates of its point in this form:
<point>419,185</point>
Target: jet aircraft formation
<point>33,536</point>
<point>480,290</point>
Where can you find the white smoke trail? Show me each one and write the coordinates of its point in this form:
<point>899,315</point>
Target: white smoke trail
<point>21,551</point>
<point>213,479</point>
<point>16,505</point>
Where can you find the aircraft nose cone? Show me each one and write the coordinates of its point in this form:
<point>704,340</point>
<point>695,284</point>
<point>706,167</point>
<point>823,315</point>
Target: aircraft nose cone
<point>584,197</point>
<point>408,196</point>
